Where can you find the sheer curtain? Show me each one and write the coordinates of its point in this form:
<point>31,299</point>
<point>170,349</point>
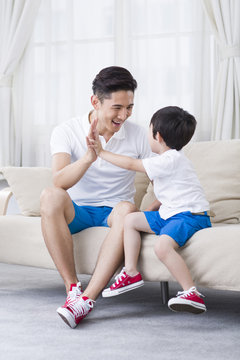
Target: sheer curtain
<point>16,24</point>
<point>224,17</point>
<point>164,43</point>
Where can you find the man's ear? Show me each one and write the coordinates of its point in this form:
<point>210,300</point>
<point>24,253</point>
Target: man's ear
<point>95,102</point>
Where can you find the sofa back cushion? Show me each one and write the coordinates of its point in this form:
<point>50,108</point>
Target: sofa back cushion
<point>27,184</point>
<point>217,164</point>
<point>141,185</point>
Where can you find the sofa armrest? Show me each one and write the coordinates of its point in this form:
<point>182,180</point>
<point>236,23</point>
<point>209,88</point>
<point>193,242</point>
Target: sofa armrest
<point>5,196</point>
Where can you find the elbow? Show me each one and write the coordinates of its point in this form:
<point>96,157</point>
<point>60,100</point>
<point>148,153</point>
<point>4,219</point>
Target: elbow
<point>57,182</point>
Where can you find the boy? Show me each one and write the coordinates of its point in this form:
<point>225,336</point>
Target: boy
<point>181,202</point>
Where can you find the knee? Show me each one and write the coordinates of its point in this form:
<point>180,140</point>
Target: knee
<point>162,248</point>
<point>130,221</point>
<point>51,200</point>
<point>122,210</point>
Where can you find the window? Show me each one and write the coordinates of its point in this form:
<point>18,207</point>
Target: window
<point>164,43</point>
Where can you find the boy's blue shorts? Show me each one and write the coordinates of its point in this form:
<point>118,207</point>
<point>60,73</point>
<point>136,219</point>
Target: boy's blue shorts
<point>89,216</point>
<point>180,226</point>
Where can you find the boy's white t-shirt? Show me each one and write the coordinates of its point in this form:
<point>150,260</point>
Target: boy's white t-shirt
<point>175,184</point>
<point>103,184</point>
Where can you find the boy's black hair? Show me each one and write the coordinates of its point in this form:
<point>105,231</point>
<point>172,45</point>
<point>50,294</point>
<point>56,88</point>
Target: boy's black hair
<point>175,125</point>
<point>112,79</point>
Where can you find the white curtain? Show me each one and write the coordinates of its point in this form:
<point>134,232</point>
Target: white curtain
<point>224,17</point>
<point>16,24</point>
<point>166,44</point>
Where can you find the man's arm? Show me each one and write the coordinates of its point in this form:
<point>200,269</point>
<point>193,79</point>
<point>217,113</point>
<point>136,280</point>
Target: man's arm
<point>65,174</point>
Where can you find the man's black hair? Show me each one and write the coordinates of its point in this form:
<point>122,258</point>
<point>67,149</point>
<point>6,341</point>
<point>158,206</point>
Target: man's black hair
<point>175,125</point>
<point>112,79</point>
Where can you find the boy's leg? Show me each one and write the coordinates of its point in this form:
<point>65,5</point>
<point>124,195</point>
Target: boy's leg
<point>129,278</point>
<point>190,299</point>
<point>111,252</point>
<point>57,211</point>
<point>133,224</point>
<point>165,249</point>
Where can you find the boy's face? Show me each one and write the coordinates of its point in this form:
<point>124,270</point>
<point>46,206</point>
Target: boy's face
<point>113,112</point>
<point>154,143</point>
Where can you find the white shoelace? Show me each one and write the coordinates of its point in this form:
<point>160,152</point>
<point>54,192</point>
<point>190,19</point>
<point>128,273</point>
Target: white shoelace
<point>120,276</point>
<point>74,294</point>
<point>189,292</point>
<point>81,307</point>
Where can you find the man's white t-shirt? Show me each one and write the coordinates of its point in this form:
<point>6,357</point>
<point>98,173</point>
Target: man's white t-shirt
<point>103,184</point>
<point>175,184</point>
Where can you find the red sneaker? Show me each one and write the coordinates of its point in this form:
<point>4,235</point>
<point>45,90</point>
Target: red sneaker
<point>74,293</point>
<point>75,312</point>
<point>123,283</point>
<point>189,301</point>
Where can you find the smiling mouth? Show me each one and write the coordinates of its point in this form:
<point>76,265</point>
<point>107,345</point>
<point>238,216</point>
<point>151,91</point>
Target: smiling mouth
<point>117,123</point>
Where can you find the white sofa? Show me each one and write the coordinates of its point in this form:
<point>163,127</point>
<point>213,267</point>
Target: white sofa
<point>213,254</point>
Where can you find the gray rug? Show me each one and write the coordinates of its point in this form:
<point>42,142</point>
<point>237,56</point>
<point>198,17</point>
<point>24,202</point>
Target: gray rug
<point>132,326</point>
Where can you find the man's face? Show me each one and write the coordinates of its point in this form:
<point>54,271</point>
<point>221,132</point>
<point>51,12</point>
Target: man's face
<point>113,112</point>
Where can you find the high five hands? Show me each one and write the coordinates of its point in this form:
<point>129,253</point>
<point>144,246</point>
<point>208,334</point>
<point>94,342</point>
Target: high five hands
<point>93,142</point>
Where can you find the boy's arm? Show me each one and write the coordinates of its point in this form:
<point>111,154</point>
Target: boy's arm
<point>122,161</point>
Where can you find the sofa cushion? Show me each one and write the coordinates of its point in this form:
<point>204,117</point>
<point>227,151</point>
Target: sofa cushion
<point>141,185</point>
<point>218,168</point>
<point>27,184</point>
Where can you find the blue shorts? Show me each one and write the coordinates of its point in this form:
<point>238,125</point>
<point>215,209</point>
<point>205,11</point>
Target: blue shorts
<point>89,216</point>
<point>180,226</point>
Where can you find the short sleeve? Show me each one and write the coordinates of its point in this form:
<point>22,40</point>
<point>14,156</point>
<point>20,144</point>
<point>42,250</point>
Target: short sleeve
<point>144,150</point>
<point>158,166</point>
<point>60,141</point>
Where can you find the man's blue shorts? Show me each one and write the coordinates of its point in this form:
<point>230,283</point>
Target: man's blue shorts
<point>180,226</point>
<point>89,216</point>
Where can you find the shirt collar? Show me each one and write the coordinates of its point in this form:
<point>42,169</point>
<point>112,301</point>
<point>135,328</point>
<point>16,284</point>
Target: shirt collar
<point>86,123</point>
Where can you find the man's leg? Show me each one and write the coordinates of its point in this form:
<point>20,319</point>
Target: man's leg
<point>57,211</point>
<point>111,253</point>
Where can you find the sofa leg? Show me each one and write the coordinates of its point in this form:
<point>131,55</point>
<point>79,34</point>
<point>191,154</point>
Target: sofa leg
<point>164,291</point>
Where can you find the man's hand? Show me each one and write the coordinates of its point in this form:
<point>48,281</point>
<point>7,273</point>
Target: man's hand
<point>94,145</point>
<point>93,133</point>
<point>91,154</point>
<point>93,141</point>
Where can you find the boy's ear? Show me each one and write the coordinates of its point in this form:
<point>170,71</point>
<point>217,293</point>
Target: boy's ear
<point>158,137</point>
<point>95,102</point>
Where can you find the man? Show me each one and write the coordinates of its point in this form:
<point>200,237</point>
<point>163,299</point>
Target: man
<point>90,192</point>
